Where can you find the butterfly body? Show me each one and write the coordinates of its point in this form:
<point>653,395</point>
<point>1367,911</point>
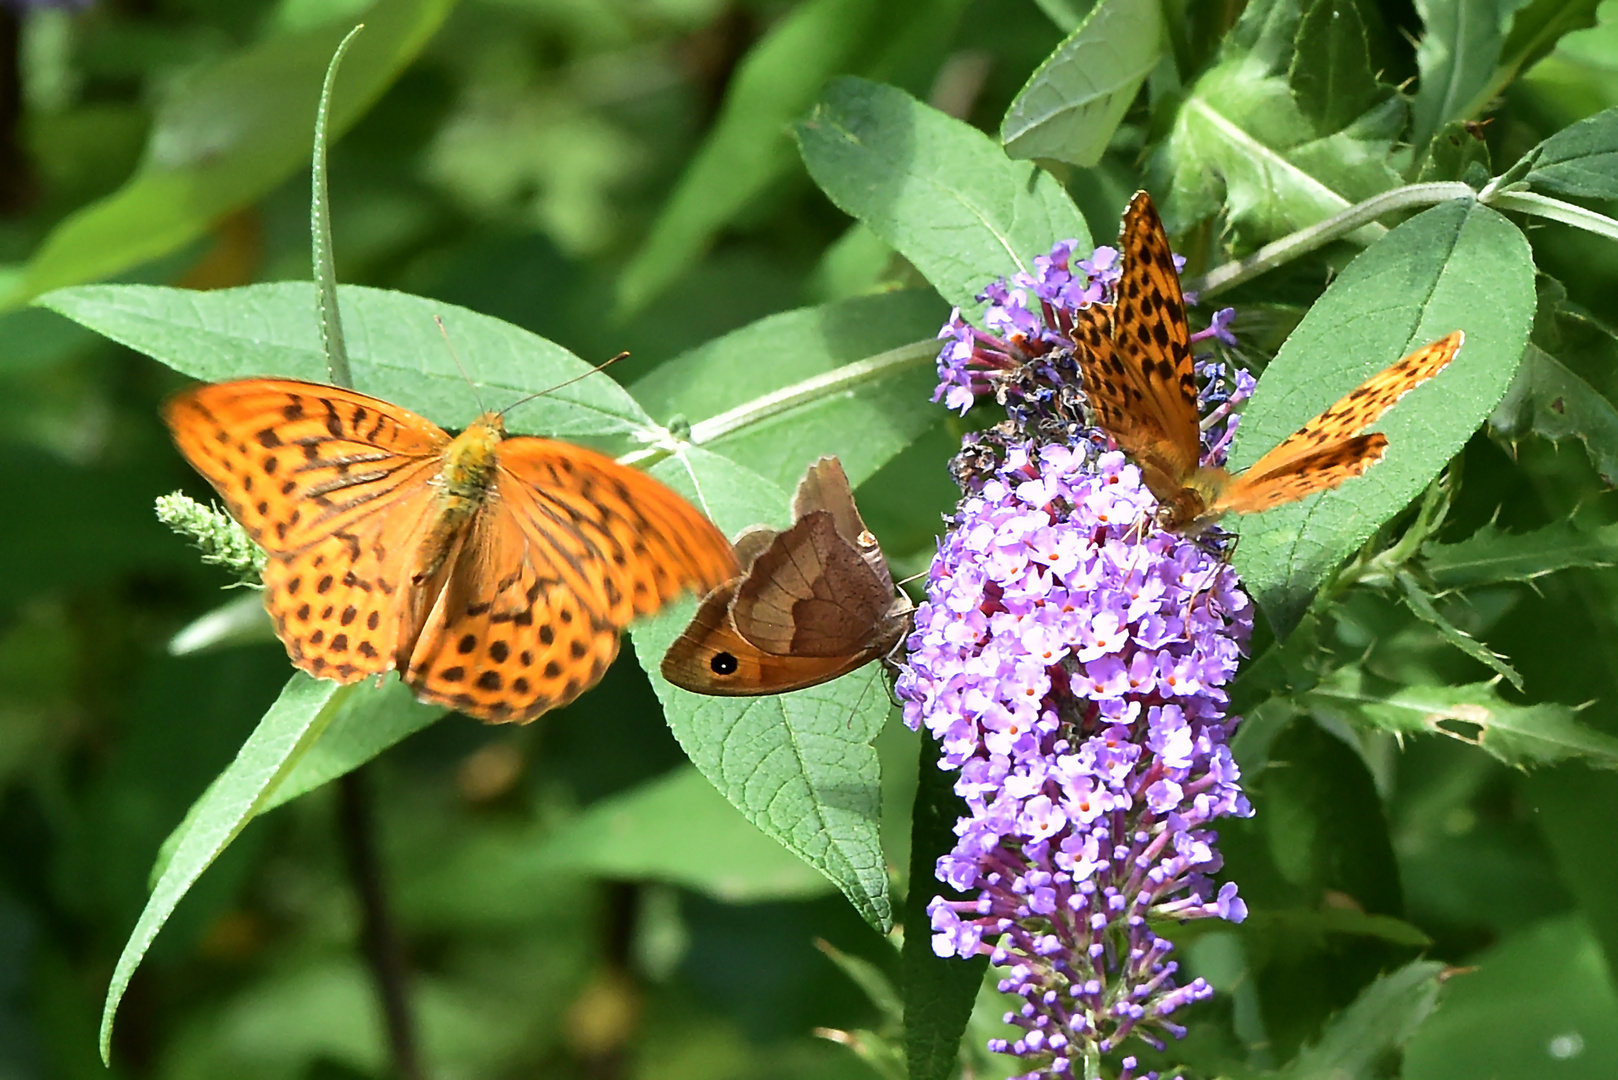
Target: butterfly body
<point>1135,359</point>
<point>814,602</point>
<point>493,573</point>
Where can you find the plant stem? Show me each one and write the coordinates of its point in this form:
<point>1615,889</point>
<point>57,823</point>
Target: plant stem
<point>383,950</point>
<point>1300,243</point>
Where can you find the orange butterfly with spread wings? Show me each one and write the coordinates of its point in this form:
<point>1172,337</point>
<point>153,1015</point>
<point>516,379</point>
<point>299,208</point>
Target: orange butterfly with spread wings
<point>493,573</point>
<point>1135,358</point>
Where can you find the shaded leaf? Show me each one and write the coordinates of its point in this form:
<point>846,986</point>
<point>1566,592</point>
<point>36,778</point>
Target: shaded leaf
<point>1071,105</point>
<point>1358,1042</point>
<point>939,992</point>
<point>1421,605</point>
<point>865,424</point>
<point>287,731</point>
<point>1331,76</point>
<point>1580,160</point>
<point>1519,735</point>
<point>1458,54</point>
<point>1418,283</point>
<point>1539,1003</point>
<point>1551,401</point>
<point>939,191</point>
<point>1491,555</point>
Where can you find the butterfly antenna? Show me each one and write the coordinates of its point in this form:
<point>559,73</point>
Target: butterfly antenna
<point>558,386</point>
<point>459,366</point>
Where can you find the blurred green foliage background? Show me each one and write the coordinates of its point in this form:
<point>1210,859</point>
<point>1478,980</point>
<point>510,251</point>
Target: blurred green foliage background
<point>618,174</point>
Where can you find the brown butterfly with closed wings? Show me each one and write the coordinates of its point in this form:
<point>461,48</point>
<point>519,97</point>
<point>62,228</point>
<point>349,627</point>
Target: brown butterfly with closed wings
<point>812,603</point>
<point>1135,356</point>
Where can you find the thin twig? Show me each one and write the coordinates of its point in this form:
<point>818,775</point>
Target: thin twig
<point>383,950</point>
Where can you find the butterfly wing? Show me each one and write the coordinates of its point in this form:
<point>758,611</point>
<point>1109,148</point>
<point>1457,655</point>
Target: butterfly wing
<point>297,462</point>
<point>811,593</point>
<point>711,657</point>
<point>569,548</point>
<point>1328,449</point>
<point>825,487</point>
<point>334,485</point>
<point>1150,329</point>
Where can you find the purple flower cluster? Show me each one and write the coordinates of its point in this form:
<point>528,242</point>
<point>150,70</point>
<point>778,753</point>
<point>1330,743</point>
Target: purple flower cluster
<point>1071,660</point>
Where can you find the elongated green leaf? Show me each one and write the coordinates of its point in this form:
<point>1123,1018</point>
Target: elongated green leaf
<point>938,992</point>
<point>1519,735</point>
<point>1358,1042</point>
<point>371,719</point>
<point>396,350</point>
<point>225,136</point>
<point>1331,76</point>
<point>939,191</point>
<point>1070,106</point>
<point>1420,282</point>
<point>865,423</point>
<point>1457,55</point>
<point>1417,600</point>
<point>1581,160</point>
<point>1241,145</point>
<point>287,731</point>
<point>1539,1003</point>
<point>1491,556</point>
<point>749,147</point>
<point>800,766</point>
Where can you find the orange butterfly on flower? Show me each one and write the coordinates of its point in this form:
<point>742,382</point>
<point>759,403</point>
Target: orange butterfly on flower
<point>1135,358</point>
<point>493,573</point>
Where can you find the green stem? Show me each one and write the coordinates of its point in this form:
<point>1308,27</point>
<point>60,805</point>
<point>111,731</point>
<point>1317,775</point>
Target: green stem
<point>1300,243</point>
<point>1544,206</point>
<point>331,323</point>
<point>842,380</point>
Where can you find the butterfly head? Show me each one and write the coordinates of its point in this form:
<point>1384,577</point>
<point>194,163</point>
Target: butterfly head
<point>1185,509</point>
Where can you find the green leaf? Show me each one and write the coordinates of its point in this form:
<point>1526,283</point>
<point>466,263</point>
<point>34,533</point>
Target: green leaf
<point>1580,160</point>
<point>749,148</point>
<point>676,829</point>
<point>1358,1043</point>
<point>396,350</point>
<point>1547,399</point>
<point>1519,735</point>
<point>1313,922</point>
<point>938,992</point>
<point>371,719</point>
<point>1491,556</point>
<point>1539,1003</point>
<point>939,191</point>
<point>1453,153</point>
<point>1331,76</point>
<point>223,137</point>
<point>1417,284</point>
<point>1421,605</point>
<point>865,424</point>
<point>287,731</point>
<point>1240,145</point>
<point>1473,49</point>
<point>1071,105</point>
<point>325,269</point>
<point>800,766</point>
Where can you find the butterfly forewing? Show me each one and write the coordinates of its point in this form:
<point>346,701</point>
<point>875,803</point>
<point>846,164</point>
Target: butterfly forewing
<point>297,462</point>
<point>1362,406</point>
<point>1320,470</point>
<point>1149,327</point>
